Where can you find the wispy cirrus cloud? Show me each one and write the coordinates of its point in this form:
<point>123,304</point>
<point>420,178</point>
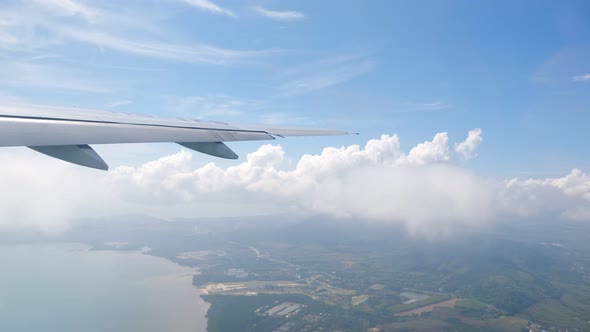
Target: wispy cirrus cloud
<point>237,109</point>
<point>434,106</point>
<point>190,53</point>
<point>410,106</point>
<point>209,6</point>
<point>286,118</point>
<point>118,103</point>
<point>213,105</point>
<point>327,73</point>
<point>279,15</point>
<point>23,74</point>
<point>582,78</point>
<point>70,8</point>
<point>108,27</point>
<point>564,66</point>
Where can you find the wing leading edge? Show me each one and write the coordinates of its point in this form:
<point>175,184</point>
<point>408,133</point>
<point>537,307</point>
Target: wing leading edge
<point>66,134</point>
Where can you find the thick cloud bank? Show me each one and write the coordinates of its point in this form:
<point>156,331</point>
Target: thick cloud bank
<point>424,189</point>
<point>378,182</point>
<point>568,196</point>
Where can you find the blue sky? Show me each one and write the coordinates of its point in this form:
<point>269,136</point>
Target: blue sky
<point>518,70</point>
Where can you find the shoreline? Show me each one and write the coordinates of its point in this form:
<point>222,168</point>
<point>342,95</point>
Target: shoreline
<point>146,293</point>
<point>189,275</point>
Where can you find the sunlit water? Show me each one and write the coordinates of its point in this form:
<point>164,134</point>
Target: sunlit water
<point>63,287</point>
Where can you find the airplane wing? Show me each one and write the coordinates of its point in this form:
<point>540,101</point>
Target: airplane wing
<point>66,133</point>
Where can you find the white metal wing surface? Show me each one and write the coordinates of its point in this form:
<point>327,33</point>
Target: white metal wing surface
<point>66,133</point>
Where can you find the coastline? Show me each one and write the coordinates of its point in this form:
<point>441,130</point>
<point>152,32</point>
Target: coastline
<point>189,276</point>
<point>192,271</point>
<point>96,290</point>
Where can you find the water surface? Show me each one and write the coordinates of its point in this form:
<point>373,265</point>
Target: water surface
<point>65,287</point>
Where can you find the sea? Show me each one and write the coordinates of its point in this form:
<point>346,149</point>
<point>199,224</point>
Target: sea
<point>68,287</point>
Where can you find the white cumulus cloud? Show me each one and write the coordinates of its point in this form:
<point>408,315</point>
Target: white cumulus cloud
<point>375,182</point>
<point>423,189</point>
<point>435,151</point>
<point>568,196</point>
<point>467,148</point>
